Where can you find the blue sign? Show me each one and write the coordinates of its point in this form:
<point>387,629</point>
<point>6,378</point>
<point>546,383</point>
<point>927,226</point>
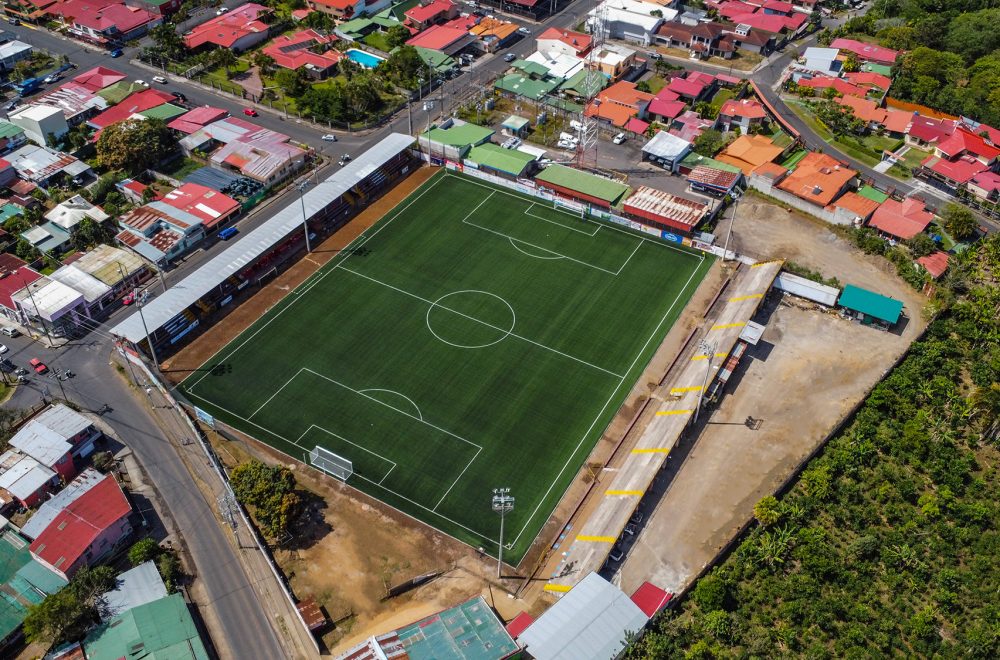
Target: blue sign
<point>204,416</point>
<point>673,238</point>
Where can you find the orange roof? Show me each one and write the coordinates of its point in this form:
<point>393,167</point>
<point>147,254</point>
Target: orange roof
<point>625,93</point>
<point>864,109</point>
<point>619,115</point>
<point>935,264</point>
<point>576,40</point>
<point>817,178</point>
<point>772,170</point>
<point>749,152</point>
<point>491,26</point>
<point>897,121</point>
<point>856,204</point>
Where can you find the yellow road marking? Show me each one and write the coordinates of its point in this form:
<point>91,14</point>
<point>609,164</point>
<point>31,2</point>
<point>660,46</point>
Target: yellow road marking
<point>652,450</point>
<point>728,325</point>
<point>705,357</point>
<point>597,539</point>
<point>562,588</point>
<point>752,296</point>
<point>692,388</point>
<point>631,493</point>
<point>764,263</point>
<point>662,413</point>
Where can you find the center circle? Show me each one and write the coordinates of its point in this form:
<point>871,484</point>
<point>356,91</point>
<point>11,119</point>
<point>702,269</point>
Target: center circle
<point>471,319</point>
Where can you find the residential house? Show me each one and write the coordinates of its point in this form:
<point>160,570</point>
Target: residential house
<point>754,40</point>
<point>666,150</point>
<point>8,175</point>
<point>748,152</point>
<point>13,52</point>
<point>870,114</point>
<point>102,275</point>
<point>866,52</point>
<point>160,232</point>
<point>901,220</point>
<point>859,206</point>
<point>958,158</point>
<point>11,137</point>
<point>689,125</point>
<point>493,35</point>
<point>76,102</point>
<point>51,307</point>
<point>925,132</point>
<point>213,208</point>
<point>23,480</point>
<point>48,238</point>
<point>613,60</point>
<point>744,113</point>
<point>629,20</point>
<point>42,124</point>
<point>434,12</point>
<point>347,9</point>
<point>935,264</point>
<point>705,39</point>
<point>132,105</point>
<point>47,447</point>
<point>619,103</point>
<point>159,7</point>
<point>51,507</point>
<point>71,426</point>
<point>197,119</point>
<point>664,211</point>
<point>692,88</point>
<point>665,106</point>
<point>98,78</point>
<point>448,40</point>
<point>306,49</point>
<point>823,61</point>
<point>105,23</point>
<point>133,588</point>
<point>985,186</point>
<point>825,82</point>
<point>161,628</point>
<point>43,166</point>
<point>554,65</point>
<point>15,274</point>
<point>86,531</point>
<point>897,122</point>
<point>873,82</point>
<point>263,155</point>
<point>69,213</point>
<point>818,179</point>
<point>567,42</point>
<point>951,174</point>
<point>24,583</point>
<point>238,29</point>
<point>964,142</point>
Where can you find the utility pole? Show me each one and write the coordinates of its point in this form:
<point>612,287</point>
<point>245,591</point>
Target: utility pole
<point>31,296</point>
<point>503,503</point>
<point>708,350</point>
<point>305,226</point>
<point>732,221</point>
<point>142,317</point>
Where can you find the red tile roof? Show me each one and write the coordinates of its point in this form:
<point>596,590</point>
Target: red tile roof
<point>866,52</point>
<point>103,18</point>
<point>930,130</point>
<point>897,121</point>
<point>935,264</point>
<point>424,13</point>
<point>343,5</point>
<point>82,522</point>
<point>229,28</point>
<point>817,178</point>
<point>649,597</point>
<point>869,79</point>
<point>293,51</point>
<point>857,204</point>
<point>865,110</point>
<point>98,78</point>
<point>965,141</point>
<point>202,202</point>
<point>988,181</point>
<point>839,84</point>
<point>902,220</point>
<point>14,276</point>
<point>197,118</point>
<point>437,37</point>
<point>138,102</point>
<point>960,170</point>
<point>777,5</point>
<point>684,87</point>
<point>576,40</point>
<point>669,109</point>
<point>636,125</point>
<point>745,108</point>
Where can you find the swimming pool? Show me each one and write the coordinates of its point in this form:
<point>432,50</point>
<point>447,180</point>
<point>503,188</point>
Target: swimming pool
<point>366,60</point>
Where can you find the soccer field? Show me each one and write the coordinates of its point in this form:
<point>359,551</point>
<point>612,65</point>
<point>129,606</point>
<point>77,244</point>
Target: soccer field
<point>473,338</point>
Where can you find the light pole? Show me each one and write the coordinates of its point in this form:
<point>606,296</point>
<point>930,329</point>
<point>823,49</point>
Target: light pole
<point>503,503</point>
<point>305,226</point>
<point>708,350</point>
<point>725,249</point>
<point>38,313</point>
<point>142,317</point>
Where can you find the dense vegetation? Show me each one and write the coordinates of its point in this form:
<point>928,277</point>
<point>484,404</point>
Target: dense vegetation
<point>889,543</point>
<point>269,492</point>
<point>953,63</point>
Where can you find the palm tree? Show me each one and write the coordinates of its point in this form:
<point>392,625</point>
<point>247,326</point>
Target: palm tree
<point>262,61</point>
<point>225,58</point>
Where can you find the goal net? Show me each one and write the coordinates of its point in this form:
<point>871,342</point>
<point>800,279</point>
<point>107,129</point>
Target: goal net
<point>332,464</point>
<point>573,208</point>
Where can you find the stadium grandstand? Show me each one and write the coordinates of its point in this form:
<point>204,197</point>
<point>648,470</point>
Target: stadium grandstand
<point>170,318</point>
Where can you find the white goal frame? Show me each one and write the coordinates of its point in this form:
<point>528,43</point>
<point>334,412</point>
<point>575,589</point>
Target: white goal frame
<point>333,464</point>
<point>575,208</point>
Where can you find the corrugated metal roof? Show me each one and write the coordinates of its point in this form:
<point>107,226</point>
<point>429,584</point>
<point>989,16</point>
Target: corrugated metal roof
<point>590,621</point>
<point>870,303</point>
<point>51,507</point>
<point>135,587</point>
<point>244,251</point>
<point>41,443</point>
<point>656,202</point>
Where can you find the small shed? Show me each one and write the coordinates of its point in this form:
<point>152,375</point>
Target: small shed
<point>869,307</point>
<point>666,150</point>
<point>515,125</point>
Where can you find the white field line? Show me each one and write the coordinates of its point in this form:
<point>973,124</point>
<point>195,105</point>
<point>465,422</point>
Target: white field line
<point>460,474</point>
<point>276,392</point>
<point>637,246</point>
<point>340,437</point>
<point>488,325</point>
<point>485,537</point>
<point>614,393</point>
<point>514,242</point>
<point>527,211</point>
<point>362,238</point>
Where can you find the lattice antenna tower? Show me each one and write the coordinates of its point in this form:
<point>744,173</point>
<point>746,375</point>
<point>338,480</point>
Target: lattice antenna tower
<point>586,152</point>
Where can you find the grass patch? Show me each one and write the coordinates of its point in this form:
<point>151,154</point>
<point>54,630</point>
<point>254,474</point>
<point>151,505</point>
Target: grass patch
<point>181,167</point>
<point>721,97</point>
<point>794,158</point>
<point>459,354</point>
<point>377,40</point>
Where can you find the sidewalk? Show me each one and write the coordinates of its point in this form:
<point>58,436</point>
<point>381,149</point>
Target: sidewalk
<point>284,619</point>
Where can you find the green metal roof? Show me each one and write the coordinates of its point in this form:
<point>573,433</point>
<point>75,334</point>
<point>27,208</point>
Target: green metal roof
<point>355,26</point>
<point>23,581</point>
<point>522,85</point>
<point>459,135</point>
<point>470,631</point>
<point>693,160</point>
<point>165,112</point>
<point>115,94</point>
<point>8,211</point>
<point>8,129</point>
<point>435,58</point>
<point>496,157</point>
<point>583,182</point>
<point>160,630</point>
<point>871,303</point>
<point>532,68</point>
<point>872,193</point>
<point>585,83</point>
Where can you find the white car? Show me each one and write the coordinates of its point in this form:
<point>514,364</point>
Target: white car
<point>51,78</point>
<point>160,79</point>
<point>618,139</point>
<point>524,30</point>
<point>141,82</point>
<point>329,137</point>
<point>3,348</point>
<point>222,10</point>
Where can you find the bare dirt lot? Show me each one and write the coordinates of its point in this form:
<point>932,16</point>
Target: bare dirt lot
<point>807,373</point>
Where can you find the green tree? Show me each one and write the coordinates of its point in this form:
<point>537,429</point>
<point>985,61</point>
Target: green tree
<point>22,70</point>
<point>404,66</point>
<point>710,593</point>
<point>318,21</point>
<point>225,58</point>
<point>168,43</point>
<point>26,250</point>
<point>362,96</point>
<point>974,34</point>
<point>88,233</point>
<point>293,82</point>
<point>269,491</point>
<point>265,62</point>
<point>643,86</point>
<point>67,614</point>
<point>142,551</point>
<point>135,145</point>
<point>838,118</point>
<point>959,221</point>
<point>767,511</point>
<point>851,63</point>
<point>921,245</point>
<point>709,143</point>
<point>397,35</point>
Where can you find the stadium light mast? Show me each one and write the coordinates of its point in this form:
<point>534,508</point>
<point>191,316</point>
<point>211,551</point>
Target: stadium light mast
<point>503,503</point>
<point>708,350</point>
<point>301,186</point>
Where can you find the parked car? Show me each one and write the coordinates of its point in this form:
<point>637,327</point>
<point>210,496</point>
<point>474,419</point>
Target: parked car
<point>129,299</point>
<point>222,10</point>
<point>509,57</point>
<point>524,30</point>
<point>344,160</point>
<point>512,143</point>
<point>10,106</point>
<point>228,233</point>
<point>38,365</point>
<point>636,517</point>
<point>329,137</point>
<point>249,112</point>
<point>3,349</point>
<point>117,52</point>
<point>616,553</point>
<point>160,79</point>
<point>141,83</point>
<point>630,529</point>
<point>618,139</point>
<point>51,78</point>
<point>10,332</point>
<point>655,56</point>
<point>14,21</point>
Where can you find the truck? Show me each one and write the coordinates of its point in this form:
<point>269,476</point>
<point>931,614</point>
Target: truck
<point>28,86</point>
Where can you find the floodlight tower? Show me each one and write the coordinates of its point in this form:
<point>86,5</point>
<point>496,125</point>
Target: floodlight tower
<point>586,152</point>
<point>708,350</point>
<point>503,503</point>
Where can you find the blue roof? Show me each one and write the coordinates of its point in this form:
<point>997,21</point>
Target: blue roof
<point>870,303</point>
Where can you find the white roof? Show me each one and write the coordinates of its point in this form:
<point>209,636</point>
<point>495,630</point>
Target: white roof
<point>69,213</point>
<point>560,65</point>
<point>63,420</point>
<point>613,54</point>
<point>41,443</point>
<point>815,53</point>
<point>54,505</point>
<point>665,145</point>
<point>36,235</point>
<point>635,12</point>
<point>12,48</point>
<point>135,587</point>
<point>48,298</point>
<point>590,621</point>
<point>79,280</point>
<point>235,258</point>
<point>531,150</point>
<point>37,113</point>
<point>23,476</point>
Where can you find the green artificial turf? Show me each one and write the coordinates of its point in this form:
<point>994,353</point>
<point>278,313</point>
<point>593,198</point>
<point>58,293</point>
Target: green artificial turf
<point>472,339</point>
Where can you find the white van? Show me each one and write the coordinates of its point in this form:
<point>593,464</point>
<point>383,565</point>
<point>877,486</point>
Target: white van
<point>575,125</point>
<point>10,332</point>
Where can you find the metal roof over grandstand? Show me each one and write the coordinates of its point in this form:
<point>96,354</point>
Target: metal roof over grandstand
<point>233,259</point>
